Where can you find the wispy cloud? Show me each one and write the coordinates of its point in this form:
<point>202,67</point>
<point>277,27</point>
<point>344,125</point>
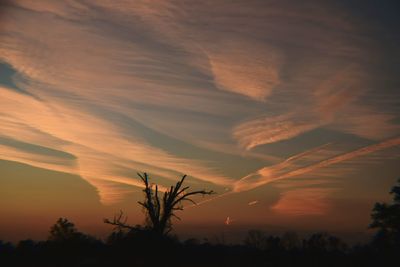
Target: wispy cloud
<point>94,152</point>
<point>303,201</point>
<point>277,172</point>
<point>333,103</point>
<point>272,129</point>
<point>141,85</point>
<point>243,74</point>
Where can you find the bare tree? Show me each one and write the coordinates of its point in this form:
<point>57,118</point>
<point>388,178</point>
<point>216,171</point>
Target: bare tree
<point>159,211</point>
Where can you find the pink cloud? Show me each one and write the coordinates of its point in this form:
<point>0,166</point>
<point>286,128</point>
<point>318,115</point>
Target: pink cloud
<point>303,201</point>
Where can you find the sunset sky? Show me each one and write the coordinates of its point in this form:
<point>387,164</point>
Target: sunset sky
<point>289,110</point>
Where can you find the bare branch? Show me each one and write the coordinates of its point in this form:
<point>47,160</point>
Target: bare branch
<point>159,213</point>
<point>185,196</point>
<point>120,222</point>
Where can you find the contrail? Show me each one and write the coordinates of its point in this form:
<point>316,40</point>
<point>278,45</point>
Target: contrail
<point>306,153</point>
<point>243,185</point>
<point>210,199</point>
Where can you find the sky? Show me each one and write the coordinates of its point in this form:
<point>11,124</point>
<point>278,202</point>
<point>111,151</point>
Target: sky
<point>289,110</point>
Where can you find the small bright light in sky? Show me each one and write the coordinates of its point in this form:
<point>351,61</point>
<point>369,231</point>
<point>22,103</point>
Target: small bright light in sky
<point>290,106</point>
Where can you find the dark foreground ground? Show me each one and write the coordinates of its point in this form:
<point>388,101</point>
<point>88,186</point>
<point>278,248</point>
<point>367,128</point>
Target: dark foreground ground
<point>143,249</point>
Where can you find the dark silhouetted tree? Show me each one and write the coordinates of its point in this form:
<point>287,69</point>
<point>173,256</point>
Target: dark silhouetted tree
<point>325,242</point>
<point>290,241</point>
<point>386,218</point>
<point>159,211</point>
<point>63,230</point>
<point>256,239</point>
<point>259,240</point>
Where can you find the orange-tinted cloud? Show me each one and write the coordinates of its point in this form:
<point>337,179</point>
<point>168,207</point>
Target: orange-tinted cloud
<point>277,172</point>
<point>271,129</point>
<point>252,75</point>
<point>303,201</point>
<point>332,104</point>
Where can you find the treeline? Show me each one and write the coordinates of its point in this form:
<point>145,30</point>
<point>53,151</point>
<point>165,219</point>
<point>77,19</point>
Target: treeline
<point>66,246</point>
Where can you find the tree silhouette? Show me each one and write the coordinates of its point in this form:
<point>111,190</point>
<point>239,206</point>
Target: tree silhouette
<point>255,239</point>
<point>386,217</point>
<point>290,241</point>
<point>159,212</point>
<point>323,241</point>
<point>63,230</point>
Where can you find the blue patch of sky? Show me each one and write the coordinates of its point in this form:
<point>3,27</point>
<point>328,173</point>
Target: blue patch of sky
<point>310,140</point>
<point>7,75</point>
<point>36,149</point>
